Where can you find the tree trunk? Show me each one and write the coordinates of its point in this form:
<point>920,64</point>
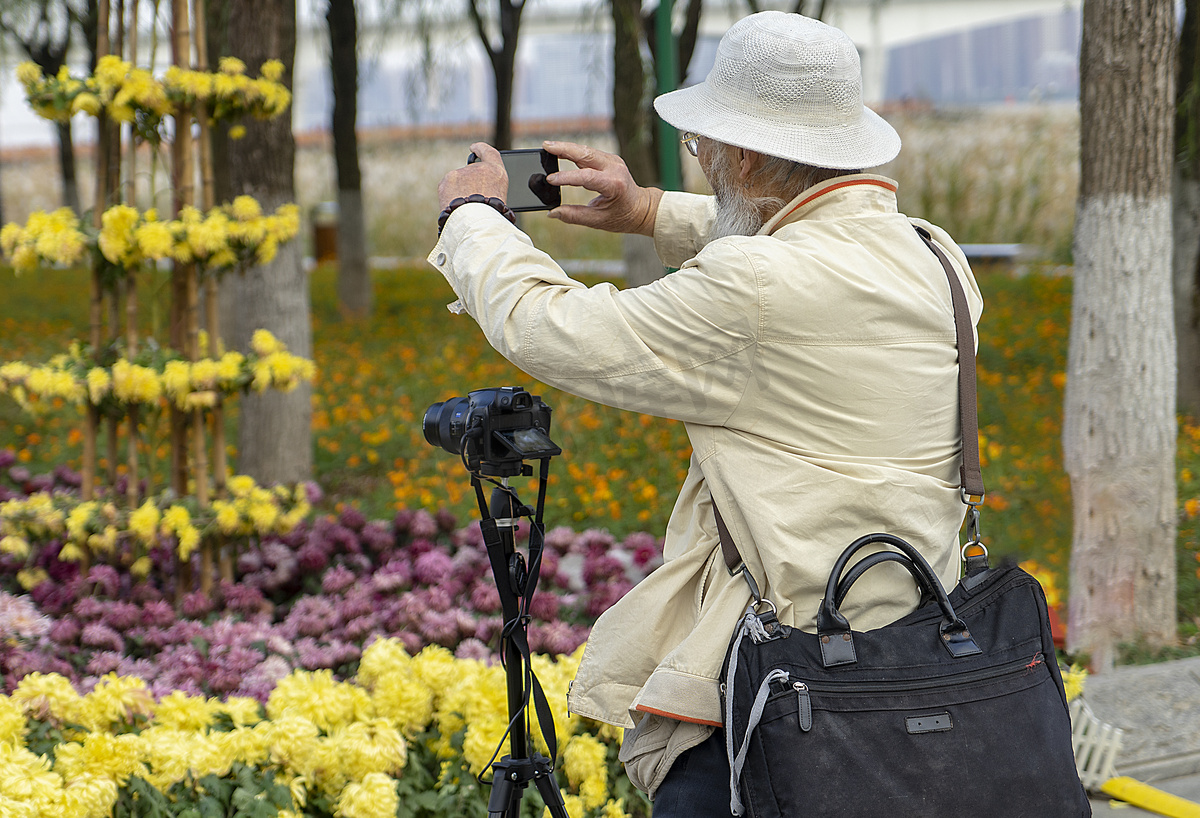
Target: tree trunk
<point>354,279</point>
<point>632,120</point>
<point>503,57</point>
<point>274,435</point>
<point>505,63</point>
<point>1119,426</point>
<point>1187,210</point>
<point>66,167</point>
<point>633,125</point>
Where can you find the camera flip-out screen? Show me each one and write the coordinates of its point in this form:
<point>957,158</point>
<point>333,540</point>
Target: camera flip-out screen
<point>530,443</point>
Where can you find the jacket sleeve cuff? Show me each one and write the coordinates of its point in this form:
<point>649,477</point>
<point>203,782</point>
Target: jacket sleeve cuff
<point>682,226</point>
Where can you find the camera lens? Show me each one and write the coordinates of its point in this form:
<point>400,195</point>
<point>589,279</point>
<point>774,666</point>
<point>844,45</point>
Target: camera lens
<point>445,423</point>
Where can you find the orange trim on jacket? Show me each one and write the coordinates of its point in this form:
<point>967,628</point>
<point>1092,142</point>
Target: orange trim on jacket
<point>837,186</point>
<point>643,709</point>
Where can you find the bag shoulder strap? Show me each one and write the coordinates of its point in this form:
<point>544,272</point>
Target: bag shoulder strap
<point>971,470</point>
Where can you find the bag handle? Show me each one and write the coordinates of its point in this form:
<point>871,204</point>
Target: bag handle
<point>869,561</point>
<point>833,630</point>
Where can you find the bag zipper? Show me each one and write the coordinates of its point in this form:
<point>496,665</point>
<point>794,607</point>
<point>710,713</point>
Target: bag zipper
<point>804,690</point>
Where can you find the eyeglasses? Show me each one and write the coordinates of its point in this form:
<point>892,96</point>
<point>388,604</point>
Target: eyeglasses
<point>691,141</point>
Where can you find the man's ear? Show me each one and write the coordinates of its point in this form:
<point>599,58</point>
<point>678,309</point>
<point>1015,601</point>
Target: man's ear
<point>748,164</point>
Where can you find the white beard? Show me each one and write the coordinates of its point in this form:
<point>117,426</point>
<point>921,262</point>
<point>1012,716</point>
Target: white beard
<point>738,214</point>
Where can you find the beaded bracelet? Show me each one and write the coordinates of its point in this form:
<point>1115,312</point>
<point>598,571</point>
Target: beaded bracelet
<point>476,198</point>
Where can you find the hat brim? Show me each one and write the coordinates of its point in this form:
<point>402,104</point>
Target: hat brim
<point>867,143</point>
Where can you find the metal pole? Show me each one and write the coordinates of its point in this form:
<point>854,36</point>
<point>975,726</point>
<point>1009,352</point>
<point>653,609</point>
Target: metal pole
<point>666,69</point>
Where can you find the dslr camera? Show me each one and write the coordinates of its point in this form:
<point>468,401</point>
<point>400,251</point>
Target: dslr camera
<point>493,430</point>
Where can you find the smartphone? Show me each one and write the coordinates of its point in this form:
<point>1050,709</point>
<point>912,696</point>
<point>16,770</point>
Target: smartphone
<point>527,170</point>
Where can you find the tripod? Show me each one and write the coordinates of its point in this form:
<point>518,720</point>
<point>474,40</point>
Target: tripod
<point>516,583</point>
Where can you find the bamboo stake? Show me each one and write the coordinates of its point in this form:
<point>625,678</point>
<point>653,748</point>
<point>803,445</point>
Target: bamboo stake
<point>131,344</point>
<point>111,425</point>
<point>131,156</point>
<point>211,313</point>
<point>184,326</point>
<point>91,427</point>
<point>182,302</point>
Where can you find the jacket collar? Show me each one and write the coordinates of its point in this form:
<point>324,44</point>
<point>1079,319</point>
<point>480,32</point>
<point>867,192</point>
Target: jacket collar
<point>840,197</point>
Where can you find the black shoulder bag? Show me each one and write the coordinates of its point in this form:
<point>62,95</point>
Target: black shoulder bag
<point>957,709</point>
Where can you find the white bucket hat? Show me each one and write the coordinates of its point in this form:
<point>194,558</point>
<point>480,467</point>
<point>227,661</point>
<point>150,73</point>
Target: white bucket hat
<point>788,86</point>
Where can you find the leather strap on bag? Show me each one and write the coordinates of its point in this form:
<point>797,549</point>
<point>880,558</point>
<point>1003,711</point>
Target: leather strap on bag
<point>971,471</point>
<point>968,412</point>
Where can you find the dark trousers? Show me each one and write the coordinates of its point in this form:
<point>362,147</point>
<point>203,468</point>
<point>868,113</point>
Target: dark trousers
<point>697,785</point>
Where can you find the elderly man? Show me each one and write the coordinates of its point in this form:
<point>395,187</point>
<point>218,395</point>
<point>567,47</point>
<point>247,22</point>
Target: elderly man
<point>807,342</point>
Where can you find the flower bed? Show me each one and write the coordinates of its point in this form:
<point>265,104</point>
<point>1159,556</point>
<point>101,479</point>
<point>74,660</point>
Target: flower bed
<point>351,659</point>
<point>407,736</point>
<point>308,599</point>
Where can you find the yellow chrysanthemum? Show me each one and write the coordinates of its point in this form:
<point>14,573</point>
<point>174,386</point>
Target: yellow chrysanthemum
<point>183,712</point>
<point>28,73</point>
<point>615,809</point>
<point>155,240</point>
<point>98,383</point>
<point>14,546</point>
<point>141,567</point>
<point>100,753</point>
<point>189,541</point>
<point>25,777</point>
<point>245,208</point>
<point>272,70</point>
<point>115,700</point>
<point>144,523</point>
<point>71,553</point>
<point>584,760</point>
<point>264,517</point>
<point>116,238</point>
<point>175,519</point>
<point>316,696</point>
<point>12,722</point>
<point>264,343</point>
<point>11,235</point>
<point>374,797</point>
<point>204,374</point>
<point>373,746</point>
<point>30,578</point>
<point>243,711</point>
<point>241,485</point>
<point>227,516</point>
<point>48,697</point>
<point>232,65</point>
<point>80,518</point>
<point>1073,680</point>
<point>90,796</point>
<point>86,103</point>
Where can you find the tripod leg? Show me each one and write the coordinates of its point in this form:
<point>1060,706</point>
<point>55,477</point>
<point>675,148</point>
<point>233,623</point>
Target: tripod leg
<point>551,796</point>
<point>506,790</point>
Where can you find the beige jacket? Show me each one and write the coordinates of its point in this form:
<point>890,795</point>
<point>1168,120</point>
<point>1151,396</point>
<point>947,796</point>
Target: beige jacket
<point>815,368</point>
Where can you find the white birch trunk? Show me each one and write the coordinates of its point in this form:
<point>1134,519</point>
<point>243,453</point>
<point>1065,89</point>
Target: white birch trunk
<point>1119,427</point>
<point>275,428</point>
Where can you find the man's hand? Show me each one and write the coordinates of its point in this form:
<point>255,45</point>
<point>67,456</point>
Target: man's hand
<point>485,176</point>
<point>621,206</point>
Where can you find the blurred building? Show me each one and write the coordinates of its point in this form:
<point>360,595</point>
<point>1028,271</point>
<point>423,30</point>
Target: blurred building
<point>927,52</point>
